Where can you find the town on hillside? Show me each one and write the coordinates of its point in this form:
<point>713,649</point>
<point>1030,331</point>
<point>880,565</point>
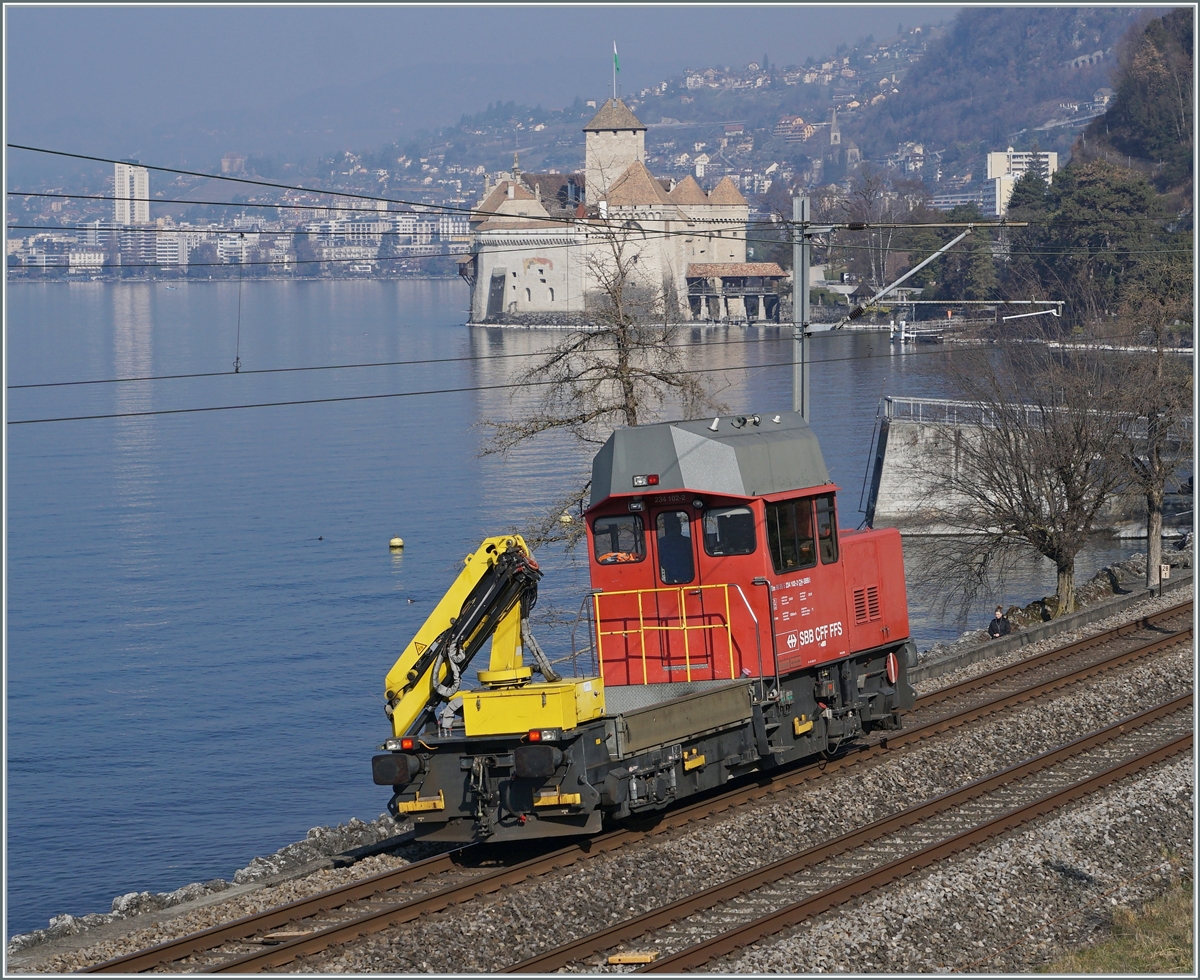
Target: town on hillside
<point>734,140</point>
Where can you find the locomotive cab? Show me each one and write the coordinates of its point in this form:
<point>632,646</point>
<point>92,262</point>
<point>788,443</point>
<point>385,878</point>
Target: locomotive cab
<point>716,557</point>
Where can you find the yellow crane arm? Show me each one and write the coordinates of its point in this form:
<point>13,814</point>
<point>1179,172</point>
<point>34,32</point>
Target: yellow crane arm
<point>497,585</point>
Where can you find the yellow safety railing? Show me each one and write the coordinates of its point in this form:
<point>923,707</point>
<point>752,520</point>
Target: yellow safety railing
<point>683,626</point>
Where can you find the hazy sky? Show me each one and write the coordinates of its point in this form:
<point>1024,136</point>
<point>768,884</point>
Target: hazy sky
<point>184,84</point>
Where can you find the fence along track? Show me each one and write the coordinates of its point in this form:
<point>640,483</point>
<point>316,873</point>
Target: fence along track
<point>252,931</point>
<point>744,885</point>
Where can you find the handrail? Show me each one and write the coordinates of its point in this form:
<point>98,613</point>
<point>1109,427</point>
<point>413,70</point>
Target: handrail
<point>683,625</point>
<point>903,408</point>
<point>594,651</point>
<point>757,640</point>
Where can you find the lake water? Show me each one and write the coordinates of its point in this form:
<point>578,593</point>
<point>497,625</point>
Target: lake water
<point>202,607</point>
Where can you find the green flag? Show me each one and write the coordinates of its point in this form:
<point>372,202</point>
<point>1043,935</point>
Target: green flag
<point>616,60</point>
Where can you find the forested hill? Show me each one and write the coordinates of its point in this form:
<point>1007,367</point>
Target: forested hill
<point>994,77</point>
<point>1151,120</point>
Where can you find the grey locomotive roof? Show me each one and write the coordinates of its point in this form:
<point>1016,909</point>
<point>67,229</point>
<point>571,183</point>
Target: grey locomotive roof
<point>753,459</point>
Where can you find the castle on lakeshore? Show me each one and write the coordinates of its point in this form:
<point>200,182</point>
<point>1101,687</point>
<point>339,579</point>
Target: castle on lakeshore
<point>543,245</point>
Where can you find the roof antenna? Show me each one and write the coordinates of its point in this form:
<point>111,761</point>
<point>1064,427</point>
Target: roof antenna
<point>713,427</point>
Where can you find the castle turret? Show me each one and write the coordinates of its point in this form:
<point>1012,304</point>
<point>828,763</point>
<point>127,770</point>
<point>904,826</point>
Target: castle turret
<point>615,139</point>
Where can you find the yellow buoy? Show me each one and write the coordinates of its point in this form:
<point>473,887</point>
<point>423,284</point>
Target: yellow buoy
<point>396,542</point>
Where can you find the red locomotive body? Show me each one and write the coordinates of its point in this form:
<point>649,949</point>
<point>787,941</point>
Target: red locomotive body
<point>693,583</point>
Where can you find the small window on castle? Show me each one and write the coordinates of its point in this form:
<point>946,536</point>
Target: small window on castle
<point>528,295</point>
<point>551,294</point>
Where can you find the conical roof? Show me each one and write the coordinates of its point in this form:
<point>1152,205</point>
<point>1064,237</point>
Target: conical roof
<point>614,114</point>
<point>687,191</point>
<point>637,186</point>
<point>726,193</point>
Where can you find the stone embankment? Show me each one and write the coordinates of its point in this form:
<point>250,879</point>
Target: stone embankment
<point>323,848</point>
<point>330,856</point>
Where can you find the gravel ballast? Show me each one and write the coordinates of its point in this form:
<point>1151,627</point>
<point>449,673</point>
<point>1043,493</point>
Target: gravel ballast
<point>1011,907</point>
<point>493,932</point>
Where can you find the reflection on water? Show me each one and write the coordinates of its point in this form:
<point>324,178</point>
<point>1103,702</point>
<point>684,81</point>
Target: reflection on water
<point>134,459</point>
<point>228,606</point>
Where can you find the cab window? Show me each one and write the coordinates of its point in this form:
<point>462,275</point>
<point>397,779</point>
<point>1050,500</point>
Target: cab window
<point>827,542</point>
<point>790,535</point>
<point>676,564</point>
<point>619,538</point>
<point>729,531</point>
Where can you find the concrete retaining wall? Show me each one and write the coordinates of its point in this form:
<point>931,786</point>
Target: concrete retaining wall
<point>900,485</point>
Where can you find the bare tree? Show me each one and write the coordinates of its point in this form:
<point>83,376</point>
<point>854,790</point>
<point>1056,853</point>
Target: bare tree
<point>1035,463</point>
<point>623,368</point>
<point>1158,393</point>
<point>872,202</point>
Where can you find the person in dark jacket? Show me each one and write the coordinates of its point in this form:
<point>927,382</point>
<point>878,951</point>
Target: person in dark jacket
<point>998,627</point>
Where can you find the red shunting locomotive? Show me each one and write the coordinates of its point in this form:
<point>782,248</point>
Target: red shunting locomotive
<point>734,628</point>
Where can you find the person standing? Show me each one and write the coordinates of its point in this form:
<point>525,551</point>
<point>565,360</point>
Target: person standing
<point>998,627</point>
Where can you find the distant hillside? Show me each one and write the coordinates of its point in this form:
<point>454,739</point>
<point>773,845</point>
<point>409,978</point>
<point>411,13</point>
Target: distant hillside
<point>994,76</point>
<point>1151,120</point>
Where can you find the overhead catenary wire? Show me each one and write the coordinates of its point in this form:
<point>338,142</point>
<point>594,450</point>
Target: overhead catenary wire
<point>449,209</point>
<point>464,359</point>
<point>466,389</point>
<point>428,210</point>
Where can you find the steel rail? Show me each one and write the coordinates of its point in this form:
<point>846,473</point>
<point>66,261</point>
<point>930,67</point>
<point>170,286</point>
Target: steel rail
<point>730,942</point>
<point>606,939</point>
<point>249,927</point>
<point>259,922</point>
<point>1026,693</point>
<point>377,921</point>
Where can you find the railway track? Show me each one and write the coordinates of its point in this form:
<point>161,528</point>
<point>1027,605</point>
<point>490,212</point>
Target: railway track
<point>697,930</point>
<point>308,926</point>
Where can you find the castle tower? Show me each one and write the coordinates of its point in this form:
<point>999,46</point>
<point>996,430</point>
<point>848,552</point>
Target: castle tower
<point>614,140</point>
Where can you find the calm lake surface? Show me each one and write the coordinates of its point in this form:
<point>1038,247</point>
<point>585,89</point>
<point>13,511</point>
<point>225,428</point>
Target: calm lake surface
<point>202,607</point>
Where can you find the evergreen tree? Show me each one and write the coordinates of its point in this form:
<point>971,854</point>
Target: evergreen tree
<point>981,281</point>
<point>1084,242</point>
<point>1029,197</point>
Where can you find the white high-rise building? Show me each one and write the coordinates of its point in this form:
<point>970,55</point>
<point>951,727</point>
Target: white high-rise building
<point>1005,169</point>
<point>131,194</point>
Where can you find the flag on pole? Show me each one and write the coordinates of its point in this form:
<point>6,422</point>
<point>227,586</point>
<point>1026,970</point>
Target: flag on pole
<point>616,60</point>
